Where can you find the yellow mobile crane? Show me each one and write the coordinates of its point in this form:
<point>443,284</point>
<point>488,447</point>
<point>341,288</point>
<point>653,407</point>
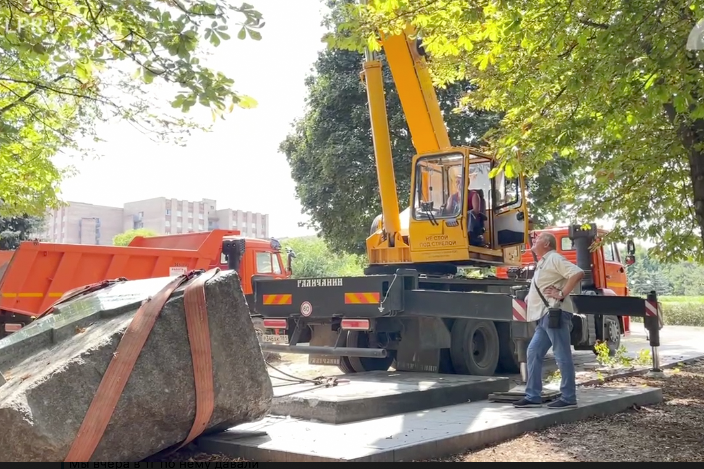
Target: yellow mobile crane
<point>405,310</point>
<point>449,223</point>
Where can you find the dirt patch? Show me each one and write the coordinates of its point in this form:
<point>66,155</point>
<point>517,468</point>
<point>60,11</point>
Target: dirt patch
<point>192,455</point>
<point>671,431</point>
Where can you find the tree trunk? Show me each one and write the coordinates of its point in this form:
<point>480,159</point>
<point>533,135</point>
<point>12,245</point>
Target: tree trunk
<point>691,135</point>
<point>696,171</point>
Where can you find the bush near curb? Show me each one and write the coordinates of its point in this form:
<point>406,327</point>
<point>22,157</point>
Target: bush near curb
<point>681,314</point>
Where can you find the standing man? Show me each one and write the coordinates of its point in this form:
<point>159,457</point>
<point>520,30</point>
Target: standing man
<point>555,277</point>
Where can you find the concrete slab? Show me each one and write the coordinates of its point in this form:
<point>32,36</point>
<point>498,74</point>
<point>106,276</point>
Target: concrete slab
<point>381,393</point>
<point>415,435</point>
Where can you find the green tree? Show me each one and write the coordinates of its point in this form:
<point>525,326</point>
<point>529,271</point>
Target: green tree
<point>330,149</point>
<point>67,65</point>
<point>14,230</point>
<point>608,85</point>
<point>686,278</point>
<point>315,259</point>
<point>123,239</point>
<point>682,278</point>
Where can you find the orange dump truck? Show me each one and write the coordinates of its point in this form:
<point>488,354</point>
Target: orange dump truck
<point>36,275</point>
<point>608,268</point>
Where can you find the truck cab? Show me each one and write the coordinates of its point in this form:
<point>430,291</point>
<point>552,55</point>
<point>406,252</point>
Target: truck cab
<point>254,258</point>
<point>608,265</point>
<point>614,266</point>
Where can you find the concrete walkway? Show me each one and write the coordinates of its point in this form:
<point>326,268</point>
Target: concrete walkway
<point>411,436</point>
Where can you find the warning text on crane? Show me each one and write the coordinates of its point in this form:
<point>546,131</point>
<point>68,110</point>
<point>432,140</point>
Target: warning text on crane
<point>319,282</point>
<point>437,241</point>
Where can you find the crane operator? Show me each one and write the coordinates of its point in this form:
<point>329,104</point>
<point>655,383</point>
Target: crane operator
<point>476,209</point>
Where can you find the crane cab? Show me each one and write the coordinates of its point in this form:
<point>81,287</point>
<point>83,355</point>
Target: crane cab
<point>459,214</point>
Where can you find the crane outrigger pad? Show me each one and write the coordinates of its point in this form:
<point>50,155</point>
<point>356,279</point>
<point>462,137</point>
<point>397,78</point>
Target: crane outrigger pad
<point>374,394</point>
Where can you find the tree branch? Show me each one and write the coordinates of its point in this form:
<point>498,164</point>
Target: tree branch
<point>37,87</point>
<point>594,24</point>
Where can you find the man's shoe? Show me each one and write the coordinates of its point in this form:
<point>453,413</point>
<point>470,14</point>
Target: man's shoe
<point>560,404</point>
<point>526,404</point>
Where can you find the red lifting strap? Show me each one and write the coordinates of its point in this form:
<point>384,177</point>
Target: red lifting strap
<point>120,368</point>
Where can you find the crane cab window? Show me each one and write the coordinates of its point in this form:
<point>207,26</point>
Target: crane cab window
<point>508,192</point>
<point>438,187</point>
<point>479,182</point>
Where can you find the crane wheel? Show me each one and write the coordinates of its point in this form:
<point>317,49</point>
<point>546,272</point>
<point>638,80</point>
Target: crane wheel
<point>360,339</point>
<point>611,335</point>
<point>474,347</point>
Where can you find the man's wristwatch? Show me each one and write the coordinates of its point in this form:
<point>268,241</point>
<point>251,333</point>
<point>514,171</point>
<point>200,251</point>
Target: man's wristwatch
<point>562,297</point>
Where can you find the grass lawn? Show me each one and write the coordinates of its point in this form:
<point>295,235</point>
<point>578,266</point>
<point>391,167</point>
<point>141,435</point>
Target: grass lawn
<point>682,299</point>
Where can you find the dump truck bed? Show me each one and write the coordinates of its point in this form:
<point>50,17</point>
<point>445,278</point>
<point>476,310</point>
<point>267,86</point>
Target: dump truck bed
<point>37,274</point>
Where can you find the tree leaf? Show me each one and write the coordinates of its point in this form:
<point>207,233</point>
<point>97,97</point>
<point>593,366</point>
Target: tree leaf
<point>59,82</point>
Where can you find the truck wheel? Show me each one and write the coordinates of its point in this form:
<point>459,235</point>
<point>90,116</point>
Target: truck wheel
<point>345,366</point>
<point>474,348</point>
<point>361,340</point>
<point>508,358</point>
<point>611,334</point>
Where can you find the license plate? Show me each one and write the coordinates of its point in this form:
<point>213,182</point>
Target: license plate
<point>275,339</point>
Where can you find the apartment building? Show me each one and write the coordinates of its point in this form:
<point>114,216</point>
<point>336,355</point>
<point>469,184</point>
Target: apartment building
<point>81,223</point>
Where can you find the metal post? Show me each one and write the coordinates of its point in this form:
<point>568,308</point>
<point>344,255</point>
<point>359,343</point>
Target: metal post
<point>582,240</point>
<point>381,139</point>
<point>522,355</point>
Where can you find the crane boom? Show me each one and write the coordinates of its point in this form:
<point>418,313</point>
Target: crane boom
<point>374,80</point>
<point>416,93</point>
<point>458,215</point>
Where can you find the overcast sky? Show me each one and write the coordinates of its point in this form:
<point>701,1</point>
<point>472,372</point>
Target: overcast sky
<point>238,163</point>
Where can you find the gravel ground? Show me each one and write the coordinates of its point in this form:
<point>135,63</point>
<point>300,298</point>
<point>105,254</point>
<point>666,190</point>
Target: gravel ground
<point>671,431</point>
